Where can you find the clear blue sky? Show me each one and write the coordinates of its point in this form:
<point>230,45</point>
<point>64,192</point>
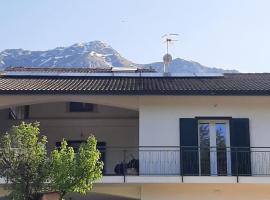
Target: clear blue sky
<point>216,33</point>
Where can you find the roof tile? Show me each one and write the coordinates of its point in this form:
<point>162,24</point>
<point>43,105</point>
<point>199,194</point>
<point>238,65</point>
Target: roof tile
<point>230,84</point>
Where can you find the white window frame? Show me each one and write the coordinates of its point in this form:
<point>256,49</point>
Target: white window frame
<point>212,135</point>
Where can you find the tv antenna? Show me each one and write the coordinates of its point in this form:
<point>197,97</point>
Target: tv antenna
<point>167,58</point>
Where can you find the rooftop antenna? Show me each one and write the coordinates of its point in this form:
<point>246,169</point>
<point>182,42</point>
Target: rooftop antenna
<point>167,58</point>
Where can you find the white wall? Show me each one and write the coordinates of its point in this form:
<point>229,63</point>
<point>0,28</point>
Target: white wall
<point>61,110</point>
<point>128,102</point>
<point>159,119</point>
<point>118,132</point>
<point>115,132</point>
<point>115,126</point>
<point>205,192</point>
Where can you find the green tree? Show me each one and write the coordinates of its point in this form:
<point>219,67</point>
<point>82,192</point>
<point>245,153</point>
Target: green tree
<point>75,172</point>
<point>29,171</point>
<point>23,159</point>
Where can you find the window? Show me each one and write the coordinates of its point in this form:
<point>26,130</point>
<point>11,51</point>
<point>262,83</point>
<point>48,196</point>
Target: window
<point>214,135</point>
<point>19,112</point>
<point>81,107</point>
<point>214,143</point>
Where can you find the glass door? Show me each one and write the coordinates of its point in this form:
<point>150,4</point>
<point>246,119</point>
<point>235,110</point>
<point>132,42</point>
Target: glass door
<point>214,151</point>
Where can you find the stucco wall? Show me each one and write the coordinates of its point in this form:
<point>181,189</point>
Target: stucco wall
<point>61,110</point>
<point>176,192</point>
<point>159,119</point>
<point>128,102</point>
<point>114,126</point>
<point>205,192</point>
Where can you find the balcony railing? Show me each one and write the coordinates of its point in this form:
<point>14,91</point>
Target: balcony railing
<point>186,161</point>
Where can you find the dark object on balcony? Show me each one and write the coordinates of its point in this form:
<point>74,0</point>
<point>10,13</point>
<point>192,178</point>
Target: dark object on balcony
<point>130,168</point>
<point>134,163</point>
<point>119,169</point>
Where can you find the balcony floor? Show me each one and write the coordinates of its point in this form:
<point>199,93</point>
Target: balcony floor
<point>185,179</point>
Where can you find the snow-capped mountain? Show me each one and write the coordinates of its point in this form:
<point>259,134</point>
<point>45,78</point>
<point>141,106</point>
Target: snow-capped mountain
<point>179,65</point>
<point>92,54</point>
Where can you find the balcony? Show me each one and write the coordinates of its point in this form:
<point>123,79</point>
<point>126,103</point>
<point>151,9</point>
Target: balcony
<point>185,165</point>
<point>186,162</point>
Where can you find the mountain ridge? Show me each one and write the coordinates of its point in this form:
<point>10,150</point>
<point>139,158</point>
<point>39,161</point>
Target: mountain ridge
<point>94,54</point>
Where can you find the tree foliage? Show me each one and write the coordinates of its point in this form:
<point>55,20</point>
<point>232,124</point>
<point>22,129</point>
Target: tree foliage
<point>75,172</point>
<point>23,159</point>
<point>29,171</point>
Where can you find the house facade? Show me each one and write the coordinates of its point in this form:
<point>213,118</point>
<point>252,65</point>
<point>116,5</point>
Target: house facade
<point>177,136</point>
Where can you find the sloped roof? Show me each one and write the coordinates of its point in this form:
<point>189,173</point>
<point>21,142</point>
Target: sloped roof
<point>229,84</point>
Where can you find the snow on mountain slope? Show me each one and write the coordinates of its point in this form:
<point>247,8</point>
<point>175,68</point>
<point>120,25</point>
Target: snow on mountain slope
<point>179,65</point>
<point>95,54</point>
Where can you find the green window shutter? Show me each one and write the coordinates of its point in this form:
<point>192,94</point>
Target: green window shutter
<point>240,146</point>
<point>189,146</point>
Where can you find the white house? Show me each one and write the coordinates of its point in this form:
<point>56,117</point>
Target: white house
<point>173,136</point>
